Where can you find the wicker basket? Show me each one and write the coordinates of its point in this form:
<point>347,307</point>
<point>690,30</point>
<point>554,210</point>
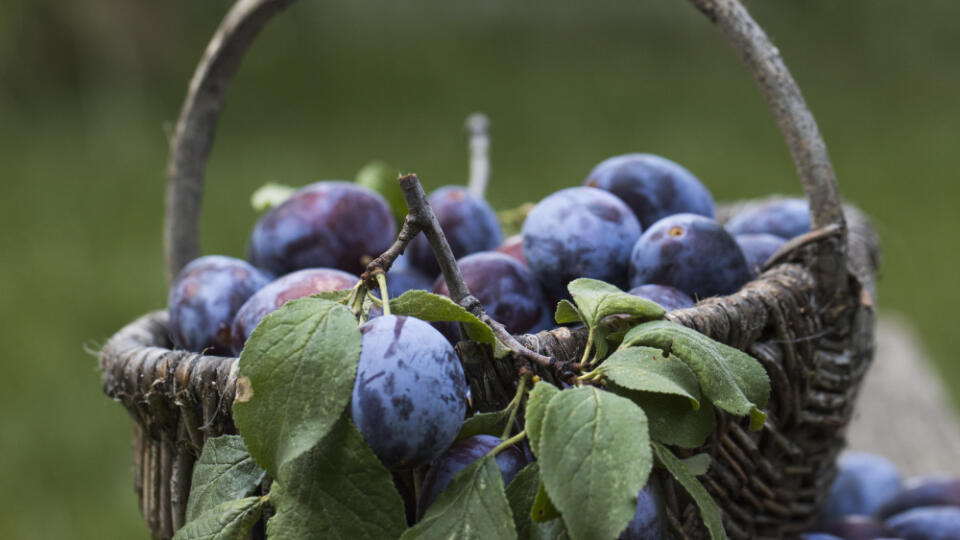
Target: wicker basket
<point>809,319</point>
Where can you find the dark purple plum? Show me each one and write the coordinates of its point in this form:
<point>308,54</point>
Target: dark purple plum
<point>855,528</point>
<point>758,248</point>
<point>468,222</point>
<point>401,280</point>
<point>785,218</point>
<point>279,292</point>
<point>669,297</point>
<point>652,186</point>
<point>923,491</point>
<point>819,536</point>
<point>410,395</point>
<point>513,246</point>
<point>205,298</point>
<point>926,523</point>
<point>864,482</point>
<point>461,454</point>
<point>327,224</point>
<point>579,232</point>
<point>691,253</point>
<point>646,523</point>
<point>507,289</point>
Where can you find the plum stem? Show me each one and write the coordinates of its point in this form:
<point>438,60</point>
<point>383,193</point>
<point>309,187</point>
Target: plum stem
<point>382,282</point>
<point>508,443</point>
<point>478,137</point>
<point>515,404</point>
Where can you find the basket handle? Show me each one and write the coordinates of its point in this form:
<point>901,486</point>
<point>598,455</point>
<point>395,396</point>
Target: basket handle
<point>196,127</point>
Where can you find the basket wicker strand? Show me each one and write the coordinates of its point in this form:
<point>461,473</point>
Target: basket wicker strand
<point>808,318</point>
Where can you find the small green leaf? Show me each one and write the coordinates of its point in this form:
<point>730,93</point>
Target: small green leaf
<point>594,459</point>
<point>296,376</point>
<point>224,472</point>
<point>270,195</point>
<point>549,530</point>
<point>732,379</point>
<point>474,506</point>
<point>709,511</point>
<point>672,421</point>
<point>520,494</point>
<point>490,423</point>
<point>536,408</point>
<point>567,313</point>
<point>232,520</point>
<point>542,508</point>
<point>697,464</point>
<point>433,307</point>
<point>382,178</point>
<point>335,296</point>
<point>596,300</point>
<point>338,489</point>
<point>648,370</point>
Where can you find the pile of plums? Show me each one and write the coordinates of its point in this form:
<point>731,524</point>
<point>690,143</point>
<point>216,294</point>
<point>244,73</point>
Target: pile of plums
<point>869,500</point>
<point>639,221</point>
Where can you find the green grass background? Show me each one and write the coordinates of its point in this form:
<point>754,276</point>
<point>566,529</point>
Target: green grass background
<point>88,92</point>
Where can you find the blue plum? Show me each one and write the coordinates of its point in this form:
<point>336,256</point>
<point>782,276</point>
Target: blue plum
<point>689,252</point>
<point>855,528</point>
<point>926,523</point>
<point>513,246</point>
<point>507,289</point>
<point>327,224</point>
<point>401,280</point>
<point>758,248</point>
<point>785,218</point>
<point>923,491</point>
<point>468,222</point>
<point>461,454</point>
<point>205,298</point>
<point>579,232</point>
<point>646,523</point>
<point>410,395</point>
<point>652,186</point>
<point>864,482</point>
<point>279,292</point>
<point>669,297</point>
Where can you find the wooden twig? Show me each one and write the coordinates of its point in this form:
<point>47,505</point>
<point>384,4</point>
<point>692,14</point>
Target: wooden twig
<point>799,128</point>
<point>197,124</point>
<point>478,139</point>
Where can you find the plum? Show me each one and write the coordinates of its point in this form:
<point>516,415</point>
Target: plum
<point>669,297</point>
<point>279,292</point>
<point>328,224</point>
<point>926,523</point>
<point>652,186</point>
<point>579,232</point>
<point>468,222</point>
<point>689,252</point>
<point>205,298</point>
<point>646,523</point>
<point>410,395</point>
<point>819,536</point>
<point>463,453</point>
<point>507,290</point>
<point>513,246</point>
<point>785,218</point>
<point>758,248</point>
<point>855,528</point>
<point>863,483</point>
<point>923,491</point>
<point>401,280</point>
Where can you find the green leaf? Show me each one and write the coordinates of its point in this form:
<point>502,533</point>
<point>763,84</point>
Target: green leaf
<point>709,511</point>
<point>224,472</point>
<point>232,520</point>
<point>543,508</point>
<point>672,421</point>
<point>549,530</point>
<point>520,494</point>
<point>732,379</point>
<point>594,459</point>
<point>474,505</point>
<point>382,178</point>
<point>698,464</point>
<point>567,313</point>
<point>536,408</point>
<point>647,369</point>
<point>270,195</point>
<point>339,489</point>
<point>335,296</point>
<point>296,376</point>
<point>596,300</point>
<point>433,307</point>
<point>491,423</point>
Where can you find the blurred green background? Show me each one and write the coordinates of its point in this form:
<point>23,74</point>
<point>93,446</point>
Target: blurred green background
<point>88,91</point>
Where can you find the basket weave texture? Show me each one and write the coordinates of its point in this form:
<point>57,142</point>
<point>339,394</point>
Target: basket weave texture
<point>808,318</point>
